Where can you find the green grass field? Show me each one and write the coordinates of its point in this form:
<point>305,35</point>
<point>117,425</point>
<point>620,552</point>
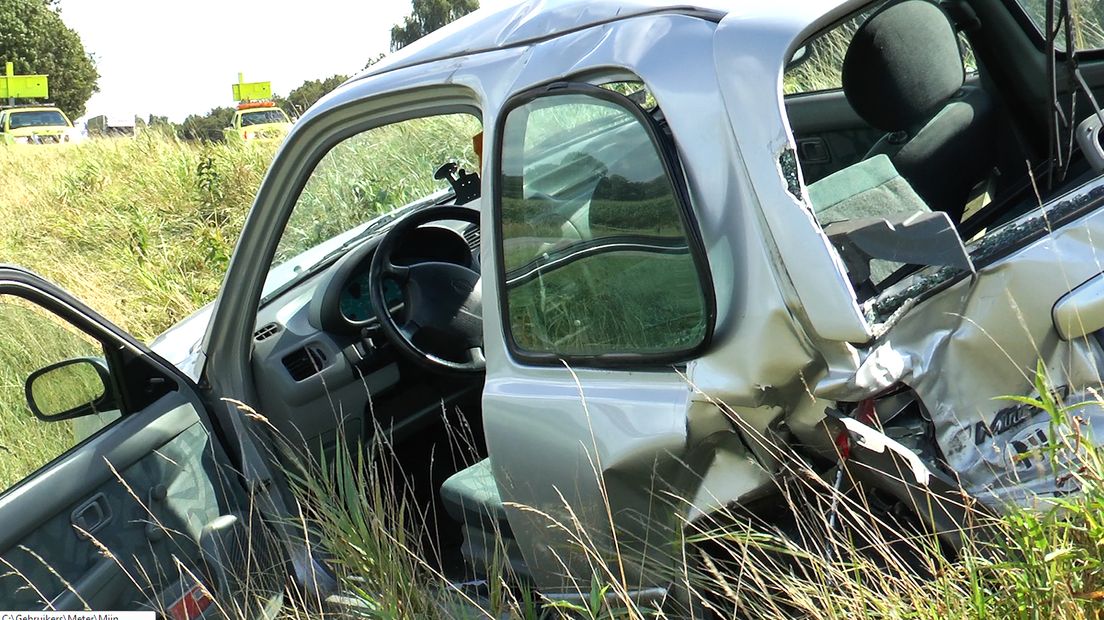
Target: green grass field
<point>141,230</point>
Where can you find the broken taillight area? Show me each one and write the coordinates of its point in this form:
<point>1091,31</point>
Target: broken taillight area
<point>900,415</point>
<point>191,605</point>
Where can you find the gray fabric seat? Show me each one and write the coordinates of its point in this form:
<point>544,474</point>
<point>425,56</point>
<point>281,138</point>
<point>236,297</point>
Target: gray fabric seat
<point>471,497</point>
<point>903,74</point>
<point>872,188</point>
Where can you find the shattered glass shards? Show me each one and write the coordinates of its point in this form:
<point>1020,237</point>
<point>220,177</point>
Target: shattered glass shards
<point>787,164</point>
<point>984,251</point>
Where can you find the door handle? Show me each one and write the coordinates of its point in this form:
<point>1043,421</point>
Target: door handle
<point>813,150</point>
<point>92,514</point>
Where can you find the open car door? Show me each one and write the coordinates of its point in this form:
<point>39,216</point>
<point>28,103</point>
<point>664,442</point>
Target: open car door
<point>118,493</point>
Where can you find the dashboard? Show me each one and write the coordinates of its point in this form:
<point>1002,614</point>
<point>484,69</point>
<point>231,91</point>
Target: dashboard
<point>425,244</point>
<point>355,302</point>
<point>318,344</point>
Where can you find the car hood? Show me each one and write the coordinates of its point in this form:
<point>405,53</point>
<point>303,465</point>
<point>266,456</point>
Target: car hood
<point>181,343</point>
<point>267,127</point>
<point>39,129</point>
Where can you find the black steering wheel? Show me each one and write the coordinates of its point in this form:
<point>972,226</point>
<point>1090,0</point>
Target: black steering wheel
<point>441,327</point>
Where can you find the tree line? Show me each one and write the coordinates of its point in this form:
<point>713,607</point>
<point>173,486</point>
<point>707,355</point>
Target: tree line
<point>34,37</point>
<point>425,17</point>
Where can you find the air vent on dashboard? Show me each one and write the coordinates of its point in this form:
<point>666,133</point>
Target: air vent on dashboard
<point>266,331</point>
<point>471,235</point>
<point>305,362</point>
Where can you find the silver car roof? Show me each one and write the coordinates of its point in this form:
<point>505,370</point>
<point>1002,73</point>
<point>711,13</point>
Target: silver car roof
<point>533,20</point>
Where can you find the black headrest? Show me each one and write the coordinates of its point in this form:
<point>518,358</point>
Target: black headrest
<point>902,65</point>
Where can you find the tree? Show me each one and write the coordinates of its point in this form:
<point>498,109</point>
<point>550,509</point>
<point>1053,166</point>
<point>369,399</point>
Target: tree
<point>308,93</point>
<point>162,125</point>
<point>372,61</point>
<point>35,39</point>
<point>428,15</point>
<point>207,127</point>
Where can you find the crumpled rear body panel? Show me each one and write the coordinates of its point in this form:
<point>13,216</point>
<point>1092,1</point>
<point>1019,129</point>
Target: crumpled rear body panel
<point>967,347</point>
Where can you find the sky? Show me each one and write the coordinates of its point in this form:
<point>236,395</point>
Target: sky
<point>179,58</point>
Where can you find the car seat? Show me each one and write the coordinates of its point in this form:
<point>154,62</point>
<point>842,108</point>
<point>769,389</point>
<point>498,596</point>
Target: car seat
<point>471,498</point>
<point>903,74</point>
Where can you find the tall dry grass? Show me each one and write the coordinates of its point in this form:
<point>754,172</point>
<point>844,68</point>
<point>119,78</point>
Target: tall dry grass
<point>838,555</point>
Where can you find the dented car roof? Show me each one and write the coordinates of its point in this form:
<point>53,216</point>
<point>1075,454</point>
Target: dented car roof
<point>537,20</point>
<point>526,22</point>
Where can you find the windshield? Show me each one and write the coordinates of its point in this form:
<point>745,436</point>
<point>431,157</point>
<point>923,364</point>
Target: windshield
<point>37,118</point>
<point>261,117</point>
<point>367,175</point>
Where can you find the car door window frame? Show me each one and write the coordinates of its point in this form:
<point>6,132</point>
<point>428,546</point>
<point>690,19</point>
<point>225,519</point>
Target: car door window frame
<point>665,150</point>
<point>227,345</point>
<point>316,158</point>
<point>134,390</point>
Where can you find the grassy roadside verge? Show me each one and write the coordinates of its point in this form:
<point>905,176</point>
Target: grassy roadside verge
<point>140,229</point>
<point>1031,565</point>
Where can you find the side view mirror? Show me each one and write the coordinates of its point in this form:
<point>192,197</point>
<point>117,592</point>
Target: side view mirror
<point>69,389</point>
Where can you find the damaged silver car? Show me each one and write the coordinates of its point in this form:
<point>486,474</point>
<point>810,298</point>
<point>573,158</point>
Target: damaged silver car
<point>714,235</point>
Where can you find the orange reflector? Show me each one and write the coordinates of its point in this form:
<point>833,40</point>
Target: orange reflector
<point>191,605</point>
<point>256,104</point>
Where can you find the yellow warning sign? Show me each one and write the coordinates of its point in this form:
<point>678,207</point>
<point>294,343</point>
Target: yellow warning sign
<point>252,91</point>
<point>14,86</point>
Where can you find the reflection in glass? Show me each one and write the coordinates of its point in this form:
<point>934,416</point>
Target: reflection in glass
<point>597,260</point>
<point>65,388</point>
